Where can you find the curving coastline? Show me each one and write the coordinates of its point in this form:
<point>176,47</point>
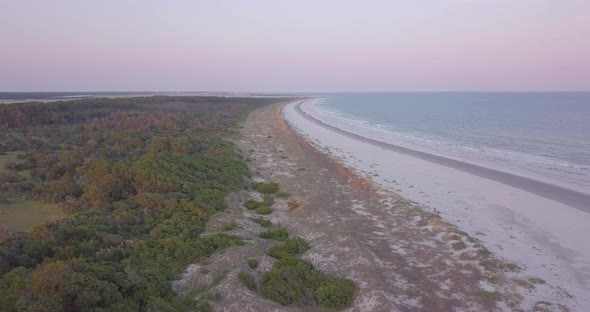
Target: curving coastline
<point>403,258</point>
<point>554,192</point>
<point>546,237</point>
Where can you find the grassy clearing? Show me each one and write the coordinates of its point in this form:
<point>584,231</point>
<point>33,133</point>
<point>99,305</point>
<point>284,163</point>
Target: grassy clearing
<point>8,157</point>
<point>12,157</point>
<point>23,215</point>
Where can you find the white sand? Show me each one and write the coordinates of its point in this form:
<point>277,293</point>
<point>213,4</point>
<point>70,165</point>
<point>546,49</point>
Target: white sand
<point>549,240</point>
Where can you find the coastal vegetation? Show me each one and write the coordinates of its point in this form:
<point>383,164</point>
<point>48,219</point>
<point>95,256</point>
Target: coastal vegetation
<point>251,204</point>
<point>247,280</point>
<point>252,263</point>
<point>266,188</point>
<point>264,210</point>
<point>229,225</point>
<point>291,247</point>
<point>293,280</point>
<point>278,233</point>
<point>136,178</point>
<point>283,194</point>
<point>296,281</point>
<point>263,222</point>
<point>130,185</point>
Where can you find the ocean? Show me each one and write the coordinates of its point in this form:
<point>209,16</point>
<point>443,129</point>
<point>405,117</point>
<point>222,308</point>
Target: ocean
<point>545,136</point>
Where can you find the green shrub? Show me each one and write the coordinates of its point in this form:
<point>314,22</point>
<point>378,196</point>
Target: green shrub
<point>289,281</point>
<point>267,188</point>
<point>263,210</point>
<point>283,194</point>
<point>268,199</point>
<point>335,293</point>
<point>251,204</point>
<point>252,263</point>
<point>279,233</point>
<point>290,248</point>
<point>263,222</point>
<point>297,281</point>
<point>247,280</point>
<point>223,241</point>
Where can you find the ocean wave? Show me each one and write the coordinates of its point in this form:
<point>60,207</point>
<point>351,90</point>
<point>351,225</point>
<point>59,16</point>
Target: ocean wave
<point>497,157</point>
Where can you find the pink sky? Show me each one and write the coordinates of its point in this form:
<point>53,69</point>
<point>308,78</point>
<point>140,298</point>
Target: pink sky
<point>269,45</point>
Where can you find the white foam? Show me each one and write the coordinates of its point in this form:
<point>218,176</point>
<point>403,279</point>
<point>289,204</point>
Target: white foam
<point>554,171</point>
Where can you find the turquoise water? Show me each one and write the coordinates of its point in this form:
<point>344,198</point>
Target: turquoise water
<point>542,134</point>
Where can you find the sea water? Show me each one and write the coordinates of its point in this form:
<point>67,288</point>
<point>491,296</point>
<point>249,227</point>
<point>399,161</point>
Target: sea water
<point>542,135</point>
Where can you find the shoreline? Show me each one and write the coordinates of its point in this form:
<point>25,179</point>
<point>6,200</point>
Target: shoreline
<point>513,223</point>
<point>403,258</point>
<point>554,192</point>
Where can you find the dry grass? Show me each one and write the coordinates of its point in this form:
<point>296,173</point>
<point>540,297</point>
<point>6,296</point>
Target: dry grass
<point>23,215</point>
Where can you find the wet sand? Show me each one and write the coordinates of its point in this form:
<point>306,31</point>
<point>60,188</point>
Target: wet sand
<point>557,193</point>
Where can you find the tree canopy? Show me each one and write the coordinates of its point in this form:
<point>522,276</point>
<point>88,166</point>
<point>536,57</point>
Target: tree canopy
<point>138,177</point>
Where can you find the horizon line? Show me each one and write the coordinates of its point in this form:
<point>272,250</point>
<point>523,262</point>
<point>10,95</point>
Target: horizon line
<point>329,91</point>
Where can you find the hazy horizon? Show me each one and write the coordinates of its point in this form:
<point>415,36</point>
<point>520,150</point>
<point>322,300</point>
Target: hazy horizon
<point>332,46</point>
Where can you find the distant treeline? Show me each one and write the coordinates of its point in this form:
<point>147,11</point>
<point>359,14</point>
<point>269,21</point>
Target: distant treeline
<point>58,95</point>
<point>139,177</point>
<point>79,111</point>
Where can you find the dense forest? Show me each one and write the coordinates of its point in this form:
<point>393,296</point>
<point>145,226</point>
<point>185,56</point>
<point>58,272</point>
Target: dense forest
<point>137,179</point>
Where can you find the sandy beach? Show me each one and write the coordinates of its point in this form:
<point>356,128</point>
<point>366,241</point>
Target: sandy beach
<point>401,255</point>
<point>539,226</point>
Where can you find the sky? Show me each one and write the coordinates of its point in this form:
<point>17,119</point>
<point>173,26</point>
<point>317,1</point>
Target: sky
<point>287,46</point>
